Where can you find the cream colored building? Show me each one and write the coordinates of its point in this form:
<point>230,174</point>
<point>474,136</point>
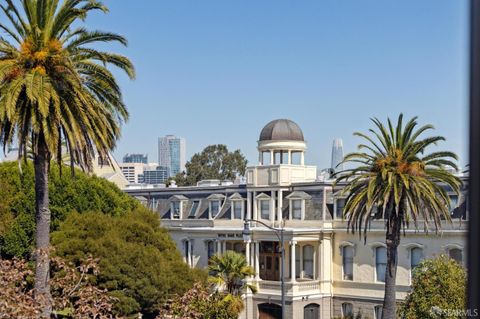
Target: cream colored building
<point>328,271</point>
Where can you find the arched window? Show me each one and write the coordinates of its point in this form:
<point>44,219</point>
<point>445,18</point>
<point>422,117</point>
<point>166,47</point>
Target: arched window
<point>308,261</point>
<point>456,254</point>
<point>380,263</point>
<point>347,262</point>
<point>311,311</point>
<point>347,310</point>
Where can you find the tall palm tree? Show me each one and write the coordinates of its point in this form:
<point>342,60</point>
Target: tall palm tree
<point>398,179</point>
<point>230,270</point>
<point>55,88</point>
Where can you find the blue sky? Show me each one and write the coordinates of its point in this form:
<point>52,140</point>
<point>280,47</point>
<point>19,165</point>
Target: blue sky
<point>218,71</point>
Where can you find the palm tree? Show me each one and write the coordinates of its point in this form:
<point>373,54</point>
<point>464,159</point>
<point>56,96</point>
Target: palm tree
<point>230,271</point>
<point>55,88</point>
<point>397,179</point>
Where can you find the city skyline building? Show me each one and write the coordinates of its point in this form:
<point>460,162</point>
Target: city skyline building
<point>172,154</point>
<point>337,155</point>
<point>135,158</point>
<point>159,175</point>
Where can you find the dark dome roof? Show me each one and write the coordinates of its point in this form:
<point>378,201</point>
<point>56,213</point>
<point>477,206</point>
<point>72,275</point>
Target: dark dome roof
<point>281,130</point>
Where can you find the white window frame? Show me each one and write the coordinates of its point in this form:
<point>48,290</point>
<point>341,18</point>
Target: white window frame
<point>335,207</point>
<point>302,208</point>
<point>374,248</point>
<point>261,211</point>
<point>172,209</point>
<point>210,212</point>
<point>411,247</point>
<point>342,247</point>
<point>238,202</point>
<point>302,265</point>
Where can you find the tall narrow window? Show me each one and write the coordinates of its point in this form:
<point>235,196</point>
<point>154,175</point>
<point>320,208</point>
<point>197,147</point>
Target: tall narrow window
<point>186,250</point>
<point>340,206</point>
<point>380,263</point>
<point>297,209</point>
<point>456,254</point>
<point>378,311</point>
<point>237,207</point>
<point>265,209</point>
<point>347,310</point>
<point>347,258</point>
<point>176,210</point>
<point>214,208</point>
<point>297,262</point>
<point>308,261</point>
<point>415,258</point>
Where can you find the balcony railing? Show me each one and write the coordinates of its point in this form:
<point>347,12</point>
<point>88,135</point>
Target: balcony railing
<point>302,287</point>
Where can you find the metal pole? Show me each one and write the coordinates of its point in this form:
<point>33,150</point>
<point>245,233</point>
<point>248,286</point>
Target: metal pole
<point>282,275</point>
<point>474,182</point>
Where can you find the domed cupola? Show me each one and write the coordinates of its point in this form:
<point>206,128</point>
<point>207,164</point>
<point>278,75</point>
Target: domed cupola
<point>281,142</point>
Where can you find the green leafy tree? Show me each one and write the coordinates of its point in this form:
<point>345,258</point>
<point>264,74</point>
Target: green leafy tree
<point>438,290</point>
<point>230,271</point>
<point>214,162</point>
<point>140,263</point>
<point>55,88</point>
<point>80,193</point>
<point>396,174</point>
<point>201,303</point>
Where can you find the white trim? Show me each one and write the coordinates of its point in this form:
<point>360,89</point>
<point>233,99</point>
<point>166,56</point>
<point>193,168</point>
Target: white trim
<point>302,208</point>
<point>234,202</point>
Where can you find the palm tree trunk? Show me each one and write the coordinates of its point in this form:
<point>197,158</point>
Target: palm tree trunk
<point>42,236</point>
<point>392,241</point>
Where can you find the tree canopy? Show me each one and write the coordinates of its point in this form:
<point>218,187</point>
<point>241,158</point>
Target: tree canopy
<point>213,162</point>
<point>140,263</point>
<point>438,290</point>
<point>80,193</point>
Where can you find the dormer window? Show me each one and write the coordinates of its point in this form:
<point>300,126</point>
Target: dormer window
<point>237,206</point>
<point>215,205</point>
<point>297,208</point>
<point>214,208</point>
<point>237,209</point>
<point>176,206</point>
<point>176,209</point>
<point>265,209</point>
<point>297,204</point>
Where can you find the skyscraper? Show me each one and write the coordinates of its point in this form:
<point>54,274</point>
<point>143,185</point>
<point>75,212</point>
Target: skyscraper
<point>135,158</point>
<point>337,155</point>
<point>171,154</point>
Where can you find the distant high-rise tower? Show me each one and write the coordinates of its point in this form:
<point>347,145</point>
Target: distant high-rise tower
<point>135,158</point>
<point>337,155</point>
<point>171,154</point>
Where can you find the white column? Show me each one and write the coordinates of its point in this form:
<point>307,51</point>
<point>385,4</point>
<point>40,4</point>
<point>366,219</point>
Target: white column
<point>247,252</point>
<point>260,157</point>
<point>255,203</point>
<point>219,247</point>
<point>292,260</point>
<point>272,206</point>
<point>272,157</point>
<point>249,205</point>
<point>318,260</point>
<point>302,158</point>
<point>224,247</point>
<point>190,253</point>
<point>289,157</point>
<point>280,206</point>
<point>257,260</point>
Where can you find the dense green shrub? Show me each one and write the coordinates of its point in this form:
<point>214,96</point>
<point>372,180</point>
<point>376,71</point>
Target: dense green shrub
<point>140,263</point>
<point>438,290</point>
<point>80,193</point>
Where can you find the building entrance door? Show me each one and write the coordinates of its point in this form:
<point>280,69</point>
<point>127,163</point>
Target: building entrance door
<point>270,261</point>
